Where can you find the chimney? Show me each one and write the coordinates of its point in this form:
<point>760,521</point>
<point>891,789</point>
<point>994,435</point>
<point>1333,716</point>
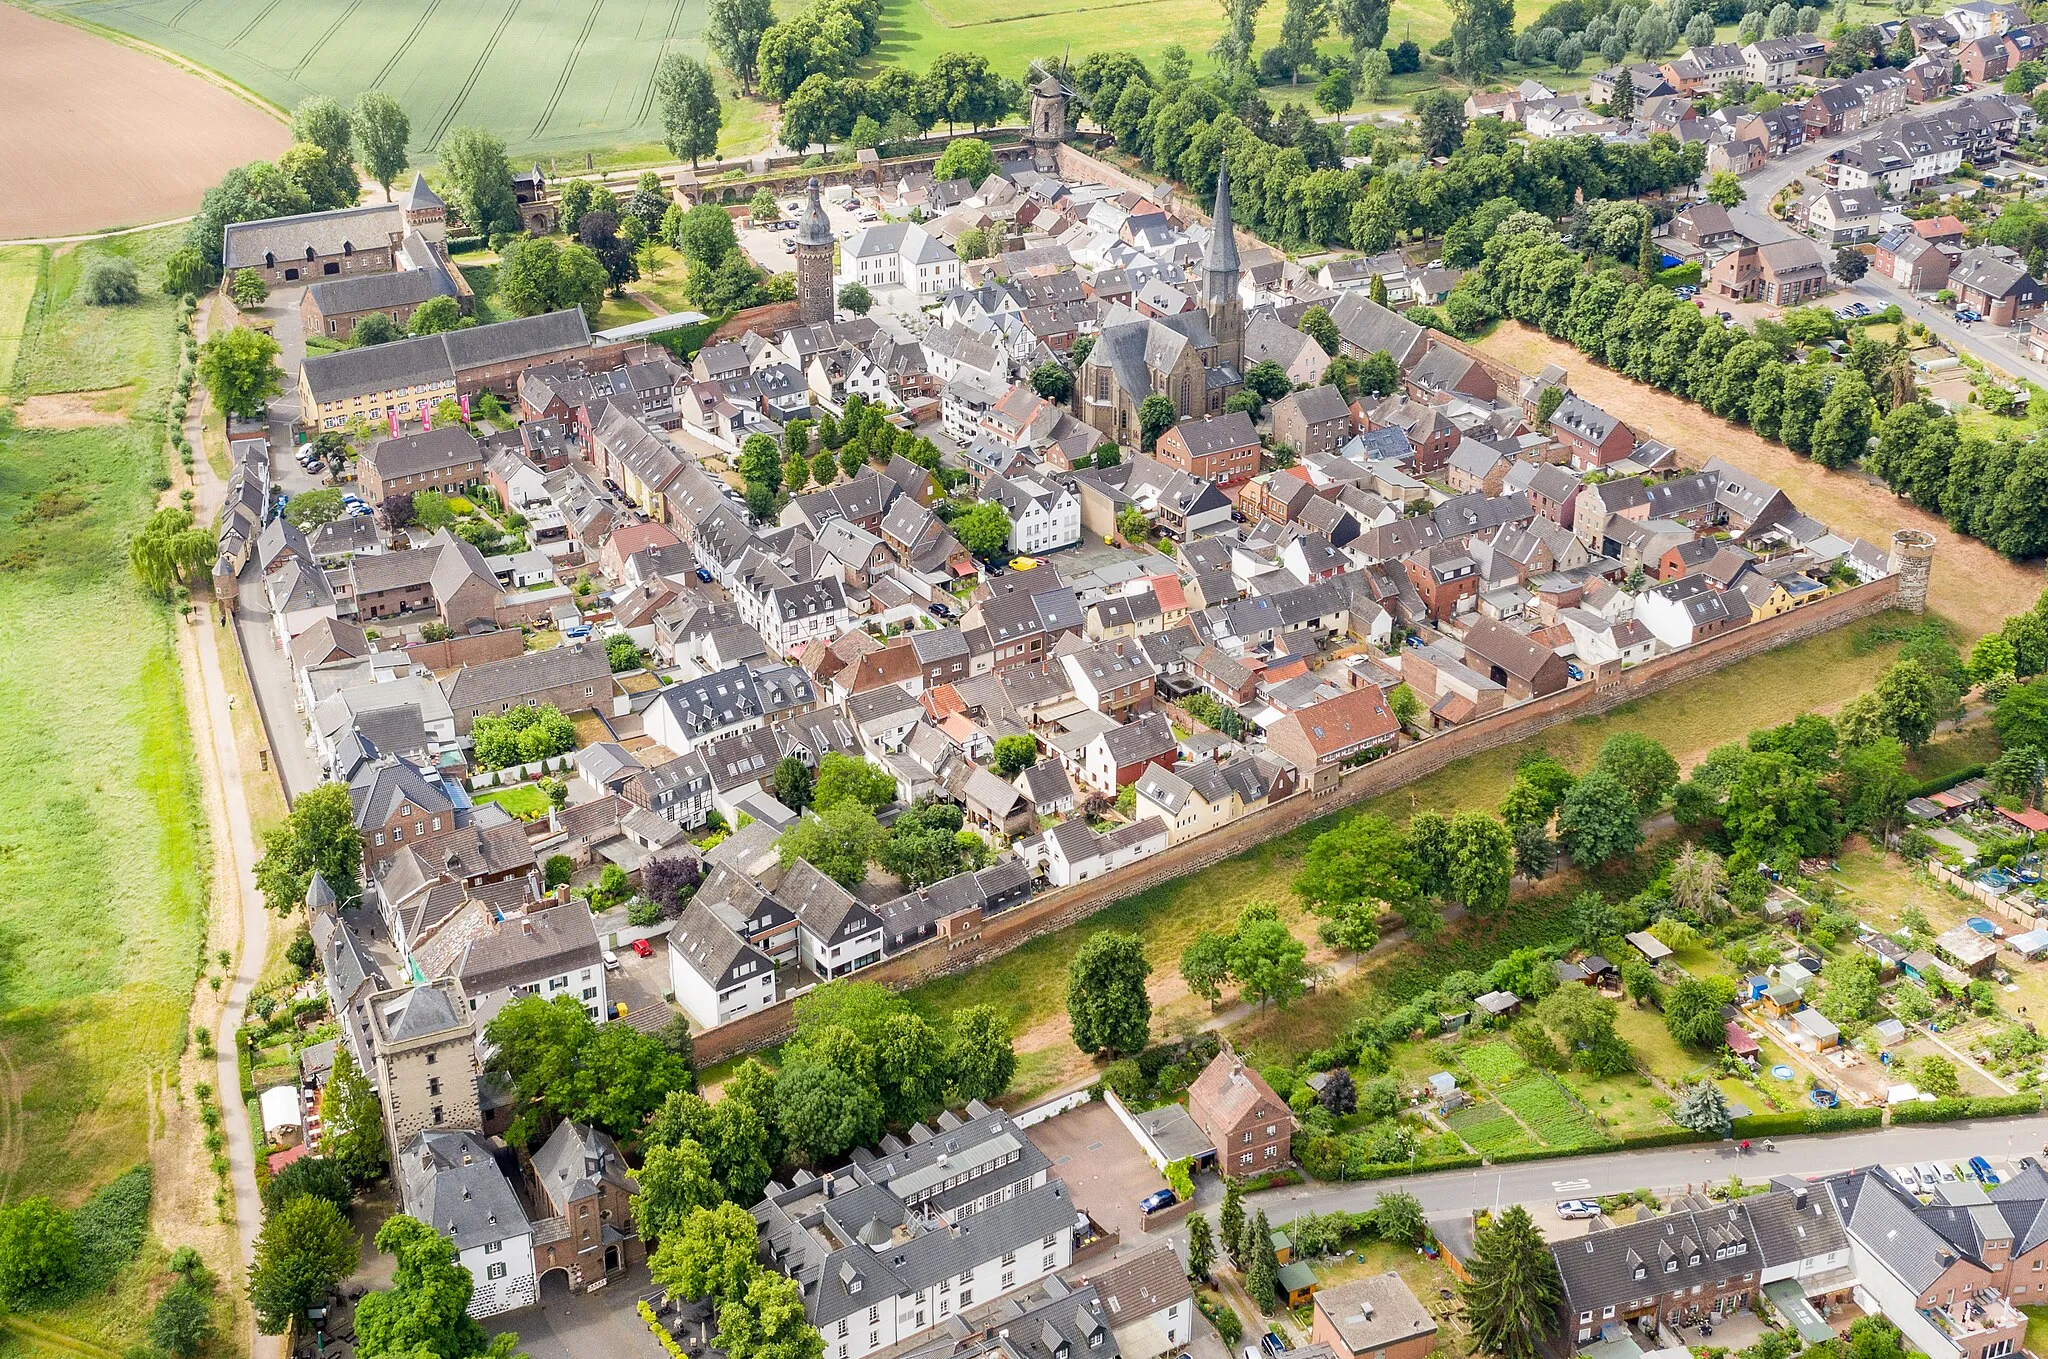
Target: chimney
<point>561,894</point>
<point>1799,1198</point>
<point>831,1187</point>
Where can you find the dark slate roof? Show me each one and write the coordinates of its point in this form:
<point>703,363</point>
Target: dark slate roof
<point>378,292</point>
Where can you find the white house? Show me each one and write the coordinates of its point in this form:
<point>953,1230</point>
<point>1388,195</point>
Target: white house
<point>1599,639</point>
<point>835,933</point>
<point>901,254</point>
<point>716,975</point>
<point>1071,852</point>
<point>452,1181</point>
<point>1681,612</point>
<point>1044,515</point>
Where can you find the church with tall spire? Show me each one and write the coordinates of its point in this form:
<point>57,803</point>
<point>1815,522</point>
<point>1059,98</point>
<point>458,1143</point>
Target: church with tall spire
<point>1195,358</point>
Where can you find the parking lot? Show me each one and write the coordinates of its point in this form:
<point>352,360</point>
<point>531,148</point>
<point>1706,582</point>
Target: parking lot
<point>773,249</point>
<point>639,982</point>
<point>572,1325</point>
<point>1104,1168</point>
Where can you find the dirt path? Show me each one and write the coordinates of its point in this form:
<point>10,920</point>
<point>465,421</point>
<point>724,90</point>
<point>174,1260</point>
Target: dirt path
<point>1974,587</point>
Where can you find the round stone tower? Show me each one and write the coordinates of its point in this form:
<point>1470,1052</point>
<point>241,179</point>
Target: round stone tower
<point>814,300</point>
<point>1048,123</point>
<point>1913,560</point>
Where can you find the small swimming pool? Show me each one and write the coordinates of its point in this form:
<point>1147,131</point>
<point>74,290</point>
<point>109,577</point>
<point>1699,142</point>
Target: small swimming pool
<point>1982,926</point>
<point>1782,1072</point>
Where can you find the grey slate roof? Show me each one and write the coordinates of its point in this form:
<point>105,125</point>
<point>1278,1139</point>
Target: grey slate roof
<point>311,233</point>
<point>451,1182</point>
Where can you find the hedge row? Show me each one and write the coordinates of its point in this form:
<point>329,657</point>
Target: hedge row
<point>1941,783</point>
<point>1949,1110</point>
<point>1806,1121</point>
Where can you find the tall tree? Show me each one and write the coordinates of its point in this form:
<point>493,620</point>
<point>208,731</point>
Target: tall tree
<point>981,1057</point>
<point>239,368</point>
<point>1201,1248</point>
<point>1597,820</point>
<point>1230,1222</point>
<point>675,1181</point>
<point>1514,1289</point>
<point>426,1309</point>
<point>381,129</point>
<point>1704,1109</point>
<point>769,1323</point>
<point>352,1133</point>
<point>305,1249</point>
<point>319,836</point>
<point>1261,1278</point>
<point>1364,22</point>
<point>1302,25</point>
<point>690,116</point>
<point>1640,765</point>
<point>1482,36</point>
<point>1107,1007</point>
<point>481,180</point>
<point>324,123</point>
<point>733,30</point>
<point>711,1255</point>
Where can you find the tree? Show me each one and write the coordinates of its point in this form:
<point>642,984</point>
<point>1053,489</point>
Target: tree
<point>1482,861</point>
<point>305,1249</point>
<point>1695,881</point>
<point>1692,1011</point>
<point>379,127</point>
<point>1440,116</point>
<point>1906,701</point>
<point>1355,871</point>
<point>352,1132</point>
<point>688,103</point>
<point>170,550</point>
<point>1596,820</point>
<point>239,368</point>
<point>675,1181</point>
<point>1482,35</point>
<point>1513,1292</point>
<point>182,1322</point>
<point>1013,754</point>
<point>1155,416</point>
<point>38,1250</point>
<point>598,231</point>
<point>844,778</point>
<point>1936,1076</point>
<point>318,835</point>
<point>2021,716</point>
<point>732,31</point>
<point>1269,963</point>
<point>984,530</point>
<point>426,1309</point>
<point>108,281</point>
<point>1641,766</point>
<point>518,735</point>
<point>1704,1109</point>
<point>1841,434</point>
<point>710,1255</point>
<point>981,1058</point>
<point>769,1323</point>
<point>1107,1007</point>
<point>1336,91</point>
<point>1850,263</point>
<point>792,783</point>
<point>838,841</point>
<point>1201,1248</point>
<point>1230,1223</point>
<point>558,1062</point>
<point>186,270</point>
<point>824,1111</point>
<point>1581,1017</point>
<point>1302,25</point>
<point>375,329</point>
<point>1132,525</point>
<point>1052,382</point>
<point>480,184</point>
<point>315,1175</point>
<point>967,158</point>
<point>1623,100</point>
<point>1261,1280</point>
<point>1317,325</point>
<point>855,297</point>
<point>436,315</point>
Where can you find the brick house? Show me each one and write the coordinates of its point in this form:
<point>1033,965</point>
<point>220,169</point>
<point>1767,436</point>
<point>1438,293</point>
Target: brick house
<point>1994,281</point>
<point>333,308</point>
<point>1523,665</point>
<point>1911,260</point>
<point>580,1179</point>
<point>1250,1126</point>
<point>1373,1318</point>
<point>314,245</point>
<point>445,460</point>
<point>1320,737</point>
<point>1445,576</point>
<point>1590,436</point>
<point>1781,274</point>
<point>1219,448</point>
<point>574,678</point>
<point>1315,420</point>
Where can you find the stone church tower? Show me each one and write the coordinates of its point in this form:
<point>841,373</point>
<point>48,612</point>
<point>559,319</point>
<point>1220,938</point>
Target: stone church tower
<point>1219,300</point>
<point>814,299</point>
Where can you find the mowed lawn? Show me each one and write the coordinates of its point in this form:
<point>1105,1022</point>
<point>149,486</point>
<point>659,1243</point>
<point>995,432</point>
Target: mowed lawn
<point>1029,984</point>
<point>104,855</point>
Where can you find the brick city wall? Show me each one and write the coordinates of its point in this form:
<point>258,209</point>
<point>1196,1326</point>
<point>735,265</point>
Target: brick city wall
<point>1061,907</point>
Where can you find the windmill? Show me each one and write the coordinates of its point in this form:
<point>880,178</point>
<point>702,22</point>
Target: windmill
<point>1050,94</point>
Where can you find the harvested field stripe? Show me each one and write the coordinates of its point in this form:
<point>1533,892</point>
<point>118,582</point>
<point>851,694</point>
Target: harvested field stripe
<point>325,38</point>
<point>675,18</point>
<point>428,13</point>
<point>569,67</point>
<point>476,72</point>
<point>183,10</point>
<point>250,27</point>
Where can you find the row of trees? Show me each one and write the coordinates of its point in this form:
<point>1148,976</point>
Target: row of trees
<point>895,106</point>
<point>1773,377</point>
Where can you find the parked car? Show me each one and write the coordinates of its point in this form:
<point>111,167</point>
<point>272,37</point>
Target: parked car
<point>1575,1209</point>
<point>1908,1177</point>
<point>704,574</point>
<point>2026,1163</point>
<point>642,948</point>
<point>938,611</point>
<point>1968,314</point>
<point>611,961</point>
<point>1930,1176</point>
<point>1156,1200</point>
<point>1981,1168</point>
<point>1273,1345</point>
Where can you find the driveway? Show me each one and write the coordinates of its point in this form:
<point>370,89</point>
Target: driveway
<point>1104,1168</point>
<point>577,1325</point>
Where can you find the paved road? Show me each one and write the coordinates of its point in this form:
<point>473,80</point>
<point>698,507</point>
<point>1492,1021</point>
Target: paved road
<point>1995,344</point>
<point>1777,173</point>
<point>218,743</point>
<point>1666,1170</point>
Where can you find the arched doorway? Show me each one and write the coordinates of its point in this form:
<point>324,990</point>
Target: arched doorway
<point>555,1285</point>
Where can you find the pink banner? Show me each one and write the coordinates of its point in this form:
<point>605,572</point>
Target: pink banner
<point>465,406</point>
<point>426,418</point>
<point>394,421</point>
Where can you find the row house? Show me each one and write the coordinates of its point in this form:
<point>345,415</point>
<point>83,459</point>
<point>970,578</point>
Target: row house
<point>1777,62</point>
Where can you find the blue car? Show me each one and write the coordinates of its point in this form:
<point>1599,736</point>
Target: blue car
<point>704,574</point>
<point>1158,1199</point>
<point>1981,1168</point>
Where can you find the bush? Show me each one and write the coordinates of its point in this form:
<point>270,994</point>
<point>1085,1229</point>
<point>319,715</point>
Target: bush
<point>109,281</point>
<point>1983,1106</point>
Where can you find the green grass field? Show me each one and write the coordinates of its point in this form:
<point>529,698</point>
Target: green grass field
<point>103,845</point>
<point>527,802</point>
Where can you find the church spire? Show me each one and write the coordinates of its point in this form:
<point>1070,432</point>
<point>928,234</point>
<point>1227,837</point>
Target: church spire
<point>1220,264</point>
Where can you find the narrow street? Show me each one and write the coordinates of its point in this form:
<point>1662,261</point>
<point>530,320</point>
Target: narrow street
<point>221,767</point>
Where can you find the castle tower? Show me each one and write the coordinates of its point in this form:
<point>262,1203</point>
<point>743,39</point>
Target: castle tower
<point>424,210</point>
<point>1219,300</point>
<point>814,302</point>
<point>1048,124</point>
<point>1913,560</point>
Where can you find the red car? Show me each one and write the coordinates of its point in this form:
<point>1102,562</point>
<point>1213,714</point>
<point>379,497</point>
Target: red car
<point>643,948</point>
